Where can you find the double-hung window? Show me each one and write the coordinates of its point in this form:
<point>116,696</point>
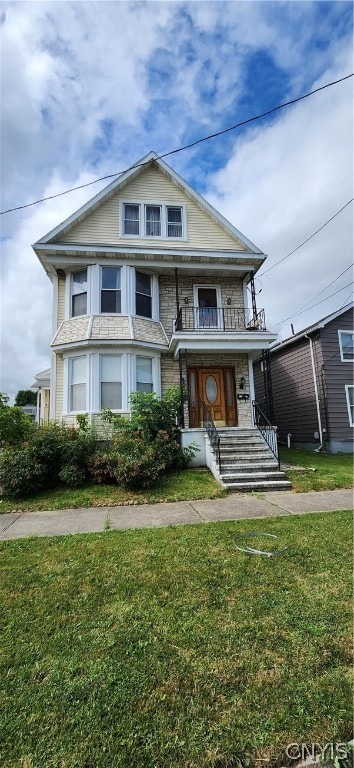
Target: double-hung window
<point>111,289</point>
<point>153,221</point>
<point>78,383</point>
<point>143,294</point>
<point>79,293</point>
<point>111,381</point>
<point>131,225</point>
<point>349,391</point>
<point>174,221</point>
<point>346,343</point>
<point>144,374</point>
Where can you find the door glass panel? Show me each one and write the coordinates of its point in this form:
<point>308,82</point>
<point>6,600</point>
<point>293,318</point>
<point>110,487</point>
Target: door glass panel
<point>229,388</point>
<point>211,389</point>
<point>192,390</point>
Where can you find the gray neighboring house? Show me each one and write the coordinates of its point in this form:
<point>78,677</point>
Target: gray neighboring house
<point>313,384</point>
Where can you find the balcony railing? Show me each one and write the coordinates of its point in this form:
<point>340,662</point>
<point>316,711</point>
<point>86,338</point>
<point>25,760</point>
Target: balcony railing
<point>219,319</point>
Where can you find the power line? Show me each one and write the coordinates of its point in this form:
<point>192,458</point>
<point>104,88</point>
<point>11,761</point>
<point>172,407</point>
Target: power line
<point>186,146</point>
<point>307,239</point>
<point>315,305</point>
<point>326,288</point>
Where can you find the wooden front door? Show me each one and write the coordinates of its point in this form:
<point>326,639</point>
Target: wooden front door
<point>216,388</point>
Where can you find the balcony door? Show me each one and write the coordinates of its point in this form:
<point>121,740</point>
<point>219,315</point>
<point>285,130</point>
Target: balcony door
<point>207,303</point>
<point>216,388</point>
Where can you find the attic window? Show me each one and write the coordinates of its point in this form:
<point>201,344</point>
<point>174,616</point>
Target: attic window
<point>131,219</point>
<point>174,221</point>
<point>153,220</point>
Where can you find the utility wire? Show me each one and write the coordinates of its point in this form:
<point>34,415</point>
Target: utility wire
<point>315,305</point>
<point>326,288</point>
<point>307,239</point>
<point>186,146</point>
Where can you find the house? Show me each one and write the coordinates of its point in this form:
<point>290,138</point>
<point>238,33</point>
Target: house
<point>150,287</point>
<point>42,385</point>
<point>313,384</point>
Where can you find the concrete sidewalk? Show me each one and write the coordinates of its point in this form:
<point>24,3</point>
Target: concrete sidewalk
<point>236,506</point>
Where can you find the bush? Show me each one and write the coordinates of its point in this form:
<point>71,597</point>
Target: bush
<point>101,467</point>
<point>136,463</point>
<point>20,474</point>
<point>15,425</point>
<point>73,475</point>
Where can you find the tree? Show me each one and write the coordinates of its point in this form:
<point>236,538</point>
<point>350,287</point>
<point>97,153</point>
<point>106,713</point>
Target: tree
<point>26,397</point>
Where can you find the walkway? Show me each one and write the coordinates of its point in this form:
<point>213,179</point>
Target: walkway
<point>16,525</point>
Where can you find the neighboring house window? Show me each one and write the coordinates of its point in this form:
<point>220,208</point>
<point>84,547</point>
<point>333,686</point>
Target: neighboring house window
<point>143,294</point>
<point>78,383</point>
<point>111,381</point>
<point>79,293</point>
<point>153,221</point>
<point>174,221</point>
<point>131,219</point>
<point>144,374</point>
<point>349,391</point>
<point>346,344</point>
<point>110,289</point>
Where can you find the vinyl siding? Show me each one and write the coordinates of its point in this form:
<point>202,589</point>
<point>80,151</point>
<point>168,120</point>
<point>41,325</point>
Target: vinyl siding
<point>336,376</point>
<point>61,300</point>
<point>59,391</point>
<point>102,226</point>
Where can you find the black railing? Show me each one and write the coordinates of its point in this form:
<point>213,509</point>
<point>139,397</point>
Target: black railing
<point>219,319</point>
<point>268,432</point>
<point>211,430</point>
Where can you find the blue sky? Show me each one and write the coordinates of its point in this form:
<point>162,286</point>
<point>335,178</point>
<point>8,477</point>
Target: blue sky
<point>88,88</point>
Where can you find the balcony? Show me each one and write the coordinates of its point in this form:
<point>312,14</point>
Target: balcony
<point>219,319</point>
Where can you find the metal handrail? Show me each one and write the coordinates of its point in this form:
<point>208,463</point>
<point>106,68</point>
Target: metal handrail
<point>219,319</point>
<point>268,432</point>
<point>212,432</point>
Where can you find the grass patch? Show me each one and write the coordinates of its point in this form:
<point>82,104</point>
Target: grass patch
<point>177,486</point>
<point>332,471</point>
<point>170,648</point>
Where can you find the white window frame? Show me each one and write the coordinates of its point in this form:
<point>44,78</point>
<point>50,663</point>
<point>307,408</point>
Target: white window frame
<point>111,354</point>
<point>71,294</point>
<point>145,357</point>
<point>67,382</point>
<point>349,405</point>
<point>163,205</point>
<point>152,283</point>
<point>344,360</point>
<point>100,289</point>
<point>219,326</point>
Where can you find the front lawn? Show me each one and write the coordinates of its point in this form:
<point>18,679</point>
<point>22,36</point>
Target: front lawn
<point>332,470</point>
<point>169,648</point>
<point>176,486</point>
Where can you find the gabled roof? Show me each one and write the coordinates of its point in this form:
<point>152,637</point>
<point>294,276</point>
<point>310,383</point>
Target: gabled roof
<point>123,179</point>
<point>312,328</point>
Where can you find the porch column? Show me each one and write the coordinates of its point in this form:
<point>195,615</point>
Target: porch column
<point>253,296</point>
<point>181,418</point>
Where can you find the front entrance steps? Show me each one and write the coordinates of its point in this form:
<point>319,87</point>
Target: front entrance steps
<point>247,463</point>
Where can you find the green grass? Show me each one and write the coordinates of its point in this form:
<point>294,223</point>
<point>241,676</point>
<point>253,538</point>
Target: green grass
<point>169,648</point>
<point>332,471</point>
<point>177,486</point>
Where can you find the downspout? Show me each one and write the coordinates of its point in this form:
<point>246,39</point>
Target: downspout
<point>316,395</point>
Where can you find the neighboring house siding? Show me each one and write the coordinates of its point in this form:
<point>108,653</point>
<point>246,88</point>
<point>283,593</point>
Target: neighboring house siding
<point>103,225</point>
<point>231,288</point>
<point>336,375</point>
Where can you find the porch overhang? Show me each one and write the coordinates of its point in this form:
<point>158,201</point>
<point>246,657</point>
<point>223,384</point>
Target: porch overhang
<point>250,343</point>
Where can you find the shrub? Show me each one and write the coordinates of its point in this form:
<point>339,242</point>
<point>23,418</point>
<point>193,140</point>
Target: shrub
<point>15,424</point>
<point>20,474</point>
<point>101,467</point>
<point>73,475</point>
<point>136,462</point>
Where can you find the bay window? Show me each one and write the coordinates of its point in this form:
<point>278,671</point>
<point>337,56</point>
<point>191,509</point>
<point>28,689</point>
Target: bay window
<point>144,374</point>
<point>111,289</point>
<point>111,382</point>
<point>79,293</point>
<point>78,383</point>
<point>143,294</point>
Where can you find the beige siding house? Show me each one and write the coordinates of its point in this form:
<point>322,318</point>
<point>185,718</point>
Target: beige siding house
<point>150,289</point>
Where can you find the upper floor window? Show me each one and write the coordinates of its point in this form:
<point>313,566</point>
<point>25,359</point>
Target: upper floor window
<point>143,294</point>
<point>111,381</point>
<point>78,383</point>
<point>79,293</point>
<point>111,289</point>
<point>131,219</point>
<point>153,220</point>
<point>346,344</point>
<point>144,374</point>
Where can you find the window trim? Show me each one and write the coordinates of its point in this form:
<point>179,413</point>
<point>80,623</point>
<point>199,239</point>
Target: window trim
<point>144,357</point>
<point>344,360</point>
<point>100,289</point>
<point>144,272</point>
<point>217,287</point>
<point>71,294</point>
<point>163,205</point>
<point>349,405</point>
<point>70,359</point>
<point>110,354</point>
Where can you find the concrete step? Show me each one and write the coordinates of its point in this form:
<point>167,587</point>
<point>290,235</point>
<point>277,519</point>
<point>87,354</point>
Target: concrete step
<point>243,449</point>
<point>243,442</point>
<point>260,485</point>
<point>251,476</point>
<point>244,457</point>
<point>263,466</point>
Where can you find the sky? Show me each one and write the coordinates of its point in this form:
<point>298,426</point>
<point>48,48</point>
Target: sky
<point>88,88</point>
